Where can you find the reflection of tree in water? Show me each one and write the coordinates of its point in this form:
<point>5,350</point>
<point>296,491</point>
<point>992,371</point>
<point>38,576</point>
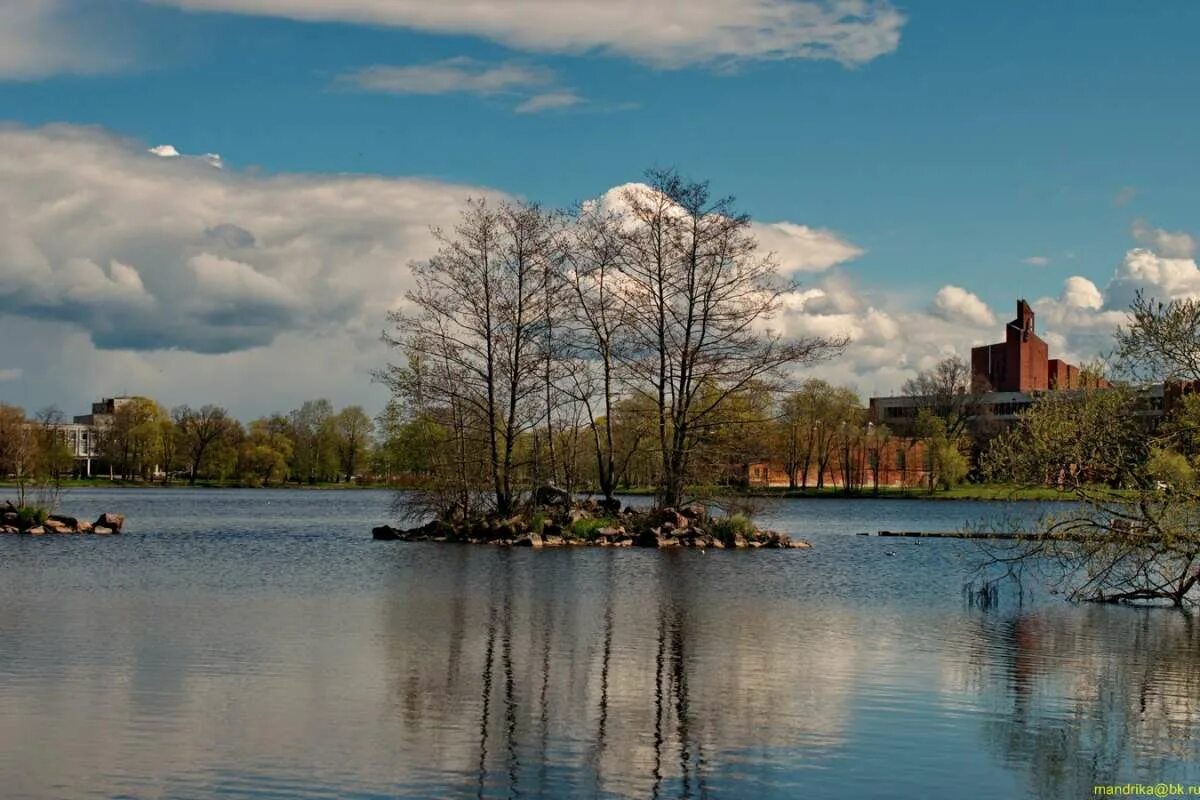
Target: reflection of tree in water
<point>553,674</point>
<point>1092,696</point>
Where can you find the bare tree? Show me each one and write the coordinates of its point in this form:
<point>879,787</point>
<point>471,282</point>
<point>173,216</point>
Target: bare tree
<point>479,319</point>
<point>950,391</point>
<point>699,299</point>
<point>53,459</point>
<point>598,322</point>
<point>1161,341</point>
<point>879,438</point>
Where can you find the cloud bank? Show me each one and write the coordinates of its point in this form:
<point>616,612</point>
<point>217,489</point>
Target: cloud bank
<point>131,268</point>
<point>664,33</point>
<point>122,270</point>
<point>145,252</point>
<point>46,37</point>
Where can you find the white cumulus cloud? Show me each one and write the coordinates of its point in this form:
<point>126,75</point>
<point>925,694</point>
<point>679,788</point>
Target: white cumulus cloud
<point>796,247</point>
<point>800,248</point>
<point>1169,244</point>
<point>1079,292</point>
<point>953,303</point>
<point>48,37</point>
<point>146,253</point>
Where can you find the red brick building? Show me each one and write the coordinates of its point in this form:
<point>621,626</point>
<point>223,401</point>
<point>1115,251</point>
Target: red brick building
<point>1022,363</point>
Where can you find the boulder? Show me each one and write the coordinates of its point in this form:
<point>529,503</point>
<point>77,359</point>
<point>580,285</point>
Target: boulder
<point>610,506</point>
<point>679,521</point>
<point>799,544</point>
<point>530,540</point>
<point>70,522</point>
<point>384,533</point>
<point>694,512</point>
<point>647,538</point>
<point>36,530</point>
<point>553,540</point>
<point>552,530</point>
<point>84,527</point>
<point>9,529</point>
<point>10,518</point>
<point>551,496</point>
<point>114,522</point>
<point>53,525</point>
<point>739,540</point>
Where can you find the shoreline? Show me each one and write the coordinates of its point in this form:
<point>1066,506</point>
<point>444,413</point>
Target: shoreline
<point>972,493</point>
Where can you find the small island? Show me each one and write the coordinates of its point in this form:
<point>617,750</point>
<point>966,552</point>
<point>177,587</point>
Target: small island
<point>563,523</point>
<point>33,521</point>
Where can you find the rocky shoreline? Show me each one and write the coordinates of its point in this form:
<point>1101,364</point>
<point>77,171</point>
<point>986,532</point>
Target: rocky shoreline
<point>13,522</point>
<point>589,524</point>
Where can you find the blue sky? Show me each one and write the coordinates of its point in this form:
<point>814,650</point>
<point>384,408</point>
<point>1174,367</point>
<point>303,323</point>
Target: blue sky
<point>991,134</point>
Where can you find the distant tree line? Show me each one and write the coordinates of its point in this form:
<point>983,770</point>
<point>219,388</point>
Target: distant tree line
<point>145,441</point>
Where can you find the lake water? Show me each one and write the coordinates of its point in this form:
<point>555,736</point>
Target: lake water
<point>258,644</point>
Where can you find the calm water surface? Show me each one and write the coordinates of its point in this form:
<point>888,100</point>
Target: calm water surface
<point>259,644</point>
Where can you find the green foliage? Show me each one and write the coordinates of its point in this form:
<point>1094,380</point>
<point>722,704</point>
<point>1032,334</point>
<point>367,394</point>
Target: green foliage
<point>1074,440</point>
<point>1171,468</point>
<point>587,528</point>
<point>29,516</point>
<point>952,465</point>
<point>727,528</point>
<point>944,454</point>
<point>537,521</point>
<point>263,455</point>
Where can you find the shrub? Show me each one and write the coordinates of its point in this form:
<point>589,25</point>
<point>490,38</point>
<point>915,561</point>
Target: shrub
<point>727,528</point>
<point>30,516</point>
<point>537,521</point>
<point>1171,468</point>
<point>587,529</point>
